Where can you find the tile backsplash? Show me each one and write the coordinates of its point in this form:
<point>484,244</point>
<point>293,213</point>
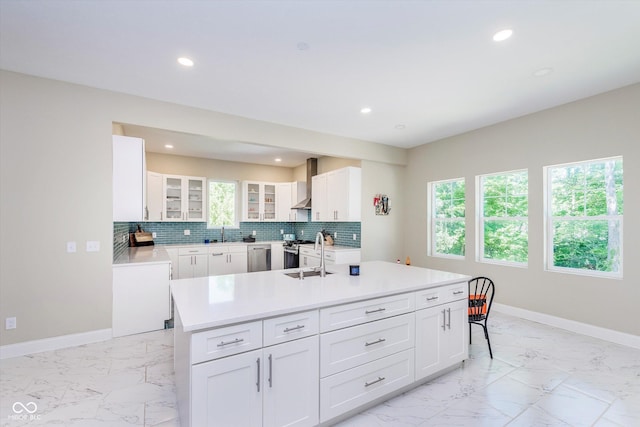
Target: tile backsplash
<point>173,232</point>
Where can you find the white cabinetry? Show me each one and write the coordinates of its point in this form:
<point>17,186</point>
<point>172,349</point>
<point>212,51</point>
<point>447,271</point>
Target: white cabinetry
<point>310,257</point>
<point>277,256</point>
<point>366,351</point>
<point>337,195</point>
<point>141,300</point>
<point>154,209</point>
<point>227,259</point>
<point>259,201</point>
<point>235,384</point>
<point>192,262</point>
<point>443,336</point>
<point>128,178</point>
<point>184,198</point>
<point>287,195</point>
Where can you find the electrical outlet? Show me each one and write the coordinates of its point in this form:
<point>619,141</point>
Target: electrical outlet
<point>71,247</point>
<point>302,232</point>
<point>10,323</point>
<point>281,231</point>
<point>253,233</point>
<point>124,237</point>
<point>154,235</point>
<point>355,237</point>
<point>93,246</point>
<point>335,234</point>
<point>187,232</point>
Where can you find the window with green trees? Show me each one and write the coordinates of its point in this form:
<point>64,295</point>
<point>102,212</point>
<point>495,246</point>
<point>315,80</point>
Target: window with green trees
<point>584,217</point>
<point>503,233</point>
<point>447,214</point>
<point>223,210</point>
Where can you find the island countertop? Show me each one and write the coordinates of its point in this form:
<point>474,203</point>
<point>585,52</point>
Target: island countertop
<point>214,301</point>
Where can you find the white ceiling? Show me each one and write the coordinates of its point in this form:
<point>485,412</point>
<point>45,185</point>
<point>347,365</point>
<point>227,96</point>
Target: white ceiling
<point>430,66</point>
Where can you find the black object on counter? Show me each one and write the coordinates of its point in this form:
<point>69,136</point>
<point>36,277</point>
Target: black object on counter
<point>354,270</point>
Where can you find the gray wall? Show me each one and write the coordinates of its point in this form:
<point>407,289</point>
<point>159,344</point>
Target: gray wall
<point>601,126</point>
<point>55,186</point>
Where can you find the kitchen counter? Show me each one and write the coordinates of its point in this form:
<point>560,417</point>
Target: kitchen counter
<point>214,301</point>
<point>143,255</point>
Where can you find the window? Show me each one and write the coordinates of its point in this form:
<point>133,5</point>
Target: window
<point>584,207</point>
<point>223,203</point>
<point>447,218</point>
<point>503,217</point>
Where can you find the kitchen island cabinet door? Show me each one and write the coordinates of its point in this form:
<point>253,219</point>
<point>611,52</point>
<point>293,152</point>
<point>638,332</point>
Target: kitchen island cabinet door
<point>441,337</point>
<point>228,391</point>
<point>291,383</point>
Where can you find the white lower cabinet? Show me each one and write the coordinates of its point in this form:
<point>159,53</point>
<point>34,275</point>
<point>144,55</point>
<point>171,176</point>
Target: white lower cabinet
<point>227,260</point>
<point>442,338</point>
<point>193,264</point>
<point>274,386</point>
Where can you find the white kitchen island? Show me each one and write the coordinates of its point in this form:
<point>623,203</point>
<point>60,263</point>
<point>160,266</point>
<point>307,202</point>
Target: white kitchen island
<point>265,349</point>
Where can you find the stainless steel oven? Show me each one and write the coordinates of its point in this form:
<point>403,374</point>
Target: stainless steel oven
<point>291,256</point>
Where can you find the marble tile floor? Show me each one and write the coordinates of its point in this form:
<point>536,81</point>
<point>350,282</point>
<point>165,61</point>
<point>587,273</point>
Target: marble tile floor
<point>540,376</point>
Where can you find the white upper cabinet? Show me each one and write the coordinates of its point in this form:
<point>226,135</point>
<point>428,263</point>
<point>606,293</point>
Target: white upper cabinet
<point>184,198</point>
<point>336,195</point>
<point>259,201</point>
<point>153,209</point>
<point>287,195</point>
<point>129,176</point>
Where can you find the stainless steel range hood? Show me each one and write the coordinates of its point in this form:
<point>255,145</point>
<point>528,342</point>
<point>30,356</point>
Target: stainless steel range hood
<point>312,170</point>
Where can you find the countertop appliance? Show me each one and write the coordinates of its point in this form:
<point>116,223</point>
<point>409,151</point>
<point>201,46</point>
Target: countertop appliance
<point>258,257</point>
<point>291,252</point>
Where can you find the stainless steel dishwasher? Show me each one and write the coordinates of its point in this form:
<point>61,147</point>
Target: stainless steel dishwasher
<point>258,258</point>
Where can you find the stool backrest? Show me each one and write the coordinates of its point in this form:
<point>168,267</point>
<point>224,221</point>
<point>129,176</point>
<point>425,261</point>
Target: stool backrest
<point>481,292</point>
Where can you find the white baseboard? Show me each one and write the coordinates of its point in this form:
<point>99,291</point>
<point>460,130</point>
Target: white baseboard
<point>55,343</point>
<point>610,335</point>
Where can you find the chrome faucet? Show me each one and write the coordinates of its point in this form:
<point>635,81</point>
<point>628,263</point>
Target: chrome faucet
<point>320,236</point>
<point>222,232</point>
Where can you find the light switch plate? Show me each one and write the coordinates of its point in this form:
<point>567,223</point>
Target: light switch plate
<point>10,323</point>
<point>187,232</point>
<point>71,247</point>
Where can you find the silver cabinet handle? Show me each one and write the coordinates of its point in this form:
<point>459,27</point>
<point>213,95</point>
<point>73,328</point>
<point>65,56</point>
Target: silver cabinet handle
<point>217,254</point>
<point>374,381</point>
<point>377,310</point>
<point>236,341</point>
<point>194,251</point>
<point>295,328</point>
<point>449,312</point>
<point>432,298</point>
<point>258,379</point>
<point>270,372</point>
<point>444,318</point>
<point>367,344</point>
<point>458,292</point>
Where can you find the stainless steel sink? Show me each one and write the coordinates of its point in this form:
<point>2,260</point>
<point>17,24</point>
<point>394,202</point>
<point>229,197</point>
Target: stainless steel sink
<point>310,273</point>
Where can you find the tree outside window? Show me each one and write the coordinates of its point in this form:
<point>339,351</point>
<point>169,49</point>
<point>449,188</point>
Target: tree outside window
<point>503,217</point>
<point>222,204</point>
<point>584,217</point>
<point>447,214</point>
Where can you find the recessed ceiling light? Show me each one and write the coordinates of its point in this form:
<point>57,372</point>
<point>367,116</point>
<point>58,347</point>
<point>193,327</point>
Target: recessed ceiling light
<point>542,72</point>
<point>168,146</point>
<point>365,110</point>
<point>400,127</point>
<point>187,62</point>
<point>277,159</point>
<point>303,46</point>
<point>502,35</point>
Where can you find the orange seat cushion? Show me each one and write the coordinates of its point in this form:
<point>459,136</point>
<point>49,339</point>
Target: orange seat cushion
<point>477,305</point>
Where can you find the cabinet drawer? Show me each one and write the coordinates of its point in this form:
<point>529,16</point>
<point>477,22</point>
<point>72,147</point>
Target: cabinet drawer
<point>293,326</point>
<point>349,389</point>
<point>341,316</point>
<point>330,256</point>
<point>441,295</point>
<point>196,250</point>
<point>216,343</point>
<point>350,347</point>
<point>310,251</point>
